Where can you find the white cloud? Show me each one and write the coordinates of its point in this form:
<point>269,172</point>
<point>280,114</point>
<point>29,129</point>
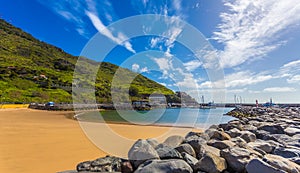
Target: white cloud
<point>291,64</point>
<point>244,78</point>
<point>135,67</point>
<point>144,70</point>
<point>237,79</point>
<point>294,79</point>
<point>165,65</point>
<point>251,29</point>
<point>119,39</point>
<point>279,89</point>
<point>192,65</point>
<point>291,71</point>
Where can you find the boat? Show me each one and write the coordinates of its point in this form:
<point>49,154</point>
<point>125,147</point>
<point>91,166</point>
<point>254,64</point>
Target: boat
<point>209,105</point>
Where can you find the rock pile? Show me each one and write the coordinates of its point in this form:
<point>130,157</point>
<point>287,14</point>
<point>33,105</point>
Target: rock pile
<point>263,140</point>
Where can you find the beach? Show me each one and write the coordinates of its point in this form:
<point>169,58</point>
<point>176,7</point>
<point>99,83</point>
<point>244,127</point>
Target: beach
<point>47,141</point>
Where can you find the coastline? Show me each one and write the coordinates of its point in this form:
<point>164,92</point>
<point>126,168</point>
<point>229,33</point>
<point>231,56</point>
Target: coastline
<point>47,141</point>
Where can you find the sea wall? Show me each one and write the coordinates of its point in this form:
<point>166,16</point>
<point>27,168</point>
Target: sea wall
<point>262,140</point>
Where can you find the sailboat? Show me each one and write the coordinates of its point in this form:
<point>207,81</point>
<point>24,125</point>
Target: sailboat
<point>210,105</point>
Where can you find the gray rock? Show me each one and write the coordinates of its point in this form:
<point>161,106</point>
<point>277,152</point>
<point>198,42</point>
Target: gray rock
<point>263,145</point>
<point>164,166</point>
<point>281,163</point>
<point>234,132</point>
<point>140,152</point>
<point>126,167</point>
<point>257,165</point>
<point>232,124</point>
<point>291,131</point>
<point>104,164</point>
<point>221,144</point>
<point>272,128</point>
<point>190,160</point>
<point>70,171</point>
<point>249,128</point>
<point>211,163</point>
<point>166,152</point>
<point>208,149</point>
<point>286,152</point>
<point>152,142</point>
<point>196,144</point>
<point>174,141</point>
<point>248,136</point>
<point>295,160</point>
<point>215,134</point>
<point>84,166</point>
<point>236,158</point>
<point>239,141</point>
<point>187,148</point>
<point>195,135</point>
<point>264,135</point>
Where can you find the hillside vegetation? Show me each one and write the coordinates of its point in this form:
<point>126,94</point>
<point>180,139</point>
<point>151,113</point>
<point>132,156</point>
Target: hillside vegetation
<point>34,71</point>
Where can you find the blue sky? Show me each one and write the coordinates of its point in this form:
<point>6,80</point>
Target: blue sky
<point>257,43</point>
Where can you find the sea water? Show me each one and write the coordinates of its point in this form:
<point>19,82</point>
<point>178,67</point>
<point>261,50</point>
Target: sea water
<point>187,117</point>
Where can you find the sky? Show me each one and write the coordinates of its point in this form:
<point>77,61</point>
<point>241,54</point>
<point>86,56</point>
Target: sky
<point>248,49</point>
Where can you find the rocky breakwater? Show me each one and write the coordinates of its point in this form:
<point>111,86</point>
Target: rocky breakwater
<point>262,140</point>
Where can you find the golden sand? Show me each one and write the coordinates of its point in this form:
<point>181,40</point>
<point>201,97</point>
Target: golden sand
<point>44,141</point>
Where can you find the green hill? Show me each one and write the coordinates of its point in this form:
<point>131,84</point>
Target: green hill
<point>34,71</point>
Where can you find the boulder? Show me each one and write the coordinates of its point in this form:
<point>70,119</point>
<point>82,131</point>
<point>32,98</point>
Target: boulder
<point>126,167</point>
<point>211,163</point>
<point>264,135</point>
<point>187,148</point>
<point>166,152</point>
<point>104,164</point>
<point>287,152</point>
<point>257,165</point>
<point>208,149</point>
<point>84,166</point>
<point>239,141</point>
<point>248,136</point>
<point>196,144</point>
<point>291,131</point>
<point>263,145</point>
<point>164,166</point>
<point>236,158</point>
<point>152,142</point>
<point>234,132</point>
<point>140,152</point>
<point>272,128</point>
<point>174,141</point>
<point>195,135</point>
<point>221,144</point>
<point>190,160</point>
<point>281,163</point>
<point>216,134</point>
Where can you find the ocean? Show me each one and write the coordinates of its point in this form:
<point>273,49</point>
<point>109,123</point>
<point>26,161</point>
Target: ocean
<point>180,117</point>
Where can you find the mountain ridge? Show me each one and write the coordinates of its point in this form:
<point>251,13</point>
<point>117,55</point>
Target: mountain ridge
<point>35,71</point>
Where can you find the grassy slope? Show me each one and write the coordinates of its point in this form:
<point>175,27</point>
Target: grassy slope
<point>23,59</point>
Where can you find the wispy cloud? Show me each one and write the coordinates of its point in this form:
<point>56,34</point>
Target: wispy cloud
<point>291,71</point>
<point>279,89</point>
<point>120,39</point>
<point>192,65</point>
<point>251,29</point>
<point>238,79</point>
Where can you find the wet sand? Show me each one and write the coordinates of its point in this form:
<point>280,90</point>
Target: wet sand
<point>45,141</point>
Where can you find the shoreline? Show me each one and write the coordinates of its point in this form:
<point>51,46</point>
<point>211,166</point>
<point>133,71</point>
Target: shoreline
<point>76,117</point>
<point>56,143</point>
<point>260,140</point>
